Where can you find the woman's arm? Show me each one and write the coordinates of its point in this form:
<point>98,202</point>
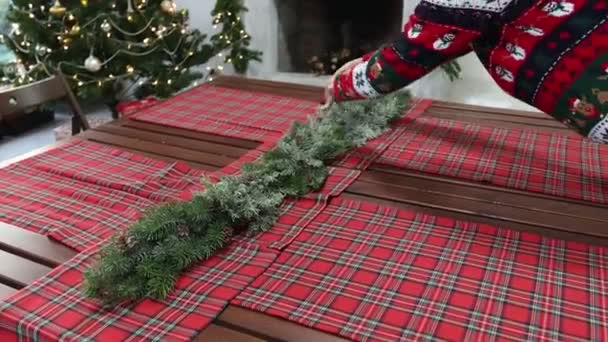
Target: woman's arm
<point>433,35</point>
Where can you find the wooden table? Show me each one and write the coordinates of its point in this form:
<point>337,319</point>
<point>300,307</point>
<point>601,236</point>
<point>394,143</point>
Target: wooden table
<point>26,256</point>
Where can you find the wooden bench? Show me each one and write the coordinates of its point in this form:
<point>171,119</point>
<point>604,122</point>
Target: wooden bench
<point>26,256</point>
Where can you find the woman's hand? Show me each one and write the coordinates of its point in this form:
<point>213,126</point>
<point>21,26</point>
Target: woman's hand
<point>329,89</point>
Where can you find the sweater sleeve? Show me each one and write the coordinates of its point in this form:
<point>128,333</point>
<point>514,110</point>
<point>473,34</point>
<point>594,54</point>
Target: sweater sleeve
<point>429,39</point>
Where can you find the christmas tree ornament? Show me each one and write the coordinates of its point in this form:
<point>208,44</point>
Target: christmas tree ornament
<point>84,3</point>
<point>75,30</point>
<point>92,63</point>
<point>106,26</point>
<point>15,29</point>
<point>42,50</point>
<point>168,6</point>
<point>20,70</point>
<point>58,10</point>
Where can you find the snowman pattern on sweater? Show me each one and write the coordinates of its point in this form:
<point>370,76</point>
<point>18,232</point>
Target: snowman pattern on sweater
<point>444,41</point>
<point>415,31</point>
<point>504,74</point>
<point>531,30</point>
<point>559,8</point>
<point>516,52</point>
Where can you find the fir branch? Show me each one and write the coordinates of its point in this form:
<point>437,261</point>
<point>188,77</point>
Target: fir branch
<point>146,260</point>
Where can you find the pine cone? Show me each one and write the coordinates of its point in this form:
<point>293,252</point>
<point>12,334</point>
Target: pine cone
<point>121,241</point>
<point>124,241</point>
<point>183,231</point>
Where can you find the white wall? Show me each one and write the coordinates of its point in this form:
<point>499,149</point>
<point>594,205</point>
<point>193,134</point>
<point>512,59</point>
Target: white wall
<point>200,13</point>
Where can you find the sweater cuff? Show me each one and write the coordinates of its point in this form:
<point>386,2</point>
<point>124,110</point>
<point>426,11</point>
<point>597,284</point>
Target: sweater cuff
<point>353,84</point>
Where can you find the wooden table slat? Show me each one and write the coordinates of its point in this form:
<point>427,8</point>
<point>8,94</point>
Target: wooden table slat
<point>273,327</point>
<point>489,110</point>
<point>18,272</point>
<point>6,291</point>
<point>170,140</point>
<point>176,153</point>
<point>468,217</point>
<point>148,127</point>
<point>32,246</point>
<point>491,194</point>
<point>303,92</point>
<point>482,117</point>
<point>435,197</point>
<point>215,332</point>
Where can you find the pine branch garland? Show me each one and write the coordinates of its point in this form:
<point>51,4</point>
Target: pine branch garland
<point>146,260</point>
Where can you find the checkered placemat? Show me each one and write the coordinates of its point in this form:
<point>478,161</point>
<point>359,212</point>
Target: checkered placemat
<point>229,112</point>
<point>361,158</point>
<point>54,309</point>
<point>543,162</point>
<point>368,272</point>
<point>83,192</point>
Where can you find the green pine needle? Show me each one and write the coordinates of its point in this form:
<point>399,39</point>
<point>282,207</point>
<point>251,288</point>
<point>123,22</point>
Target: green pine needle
<point>146,260</point>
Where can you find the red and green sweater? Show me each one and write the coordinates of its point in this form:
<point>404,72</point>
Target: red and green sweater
<point>551,54</point>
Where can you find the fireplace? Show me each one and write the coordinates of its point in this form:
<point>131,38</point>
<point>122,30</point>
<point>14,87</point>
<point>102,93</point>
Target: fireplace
<point>319,35</point>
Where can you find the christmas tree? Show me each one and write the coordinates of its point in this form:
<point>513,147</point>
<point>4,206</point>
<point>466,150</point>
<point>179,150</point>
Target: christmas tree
<point>109,49</point>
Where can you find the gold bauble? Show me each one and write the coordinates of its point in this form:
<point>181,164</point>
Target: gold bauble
<point>75,30</point>
<point>57,9</point>
<point>67,40</point>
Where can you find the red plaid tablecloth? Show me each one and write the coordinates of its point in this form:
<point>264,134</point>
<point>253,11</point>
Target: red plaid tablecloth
<point>362,157</point>
<point>82,192</point>
<point>229,112</point>
<point>543,162</point>
<point>368,272</point>
<point>54,309</point>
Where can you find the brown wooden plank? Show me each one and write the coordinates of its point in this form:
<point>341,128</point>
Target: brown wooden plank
<point>482,117</point>
<point>195,165</point>
<point>494,194</point>
<point>436,198</point>
<point>551,233</point>
<point>32,246</point>
<point>172,140</point>
<point>144,126</point>
<point>489,110</point>
<point>18,272</point>
<point>506,124</point>
<point>216,332</point>
<point>6,291</point>
<point>484,201</point>
<point>176,153</point>
<point>273,327</point>
<point>304,92</point>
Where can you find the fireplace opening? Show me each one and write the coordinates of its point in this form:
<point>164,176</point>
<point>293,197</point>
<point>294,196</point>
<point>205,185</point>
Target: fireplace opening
<point>319,36</point>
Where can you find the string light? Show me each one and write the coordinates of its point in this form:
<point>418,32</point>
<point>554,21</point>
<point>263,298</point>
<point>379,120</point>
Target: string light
<point>130,69</point>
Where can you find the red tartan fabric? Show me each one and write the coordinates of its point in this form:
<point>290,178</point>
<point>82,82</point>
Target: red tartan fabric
<point>54,309</point>
<point>368,272</point>
<point>82,192</point>
<point>553,164</point>
<point>362,157</point>
<point>229,112</point>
